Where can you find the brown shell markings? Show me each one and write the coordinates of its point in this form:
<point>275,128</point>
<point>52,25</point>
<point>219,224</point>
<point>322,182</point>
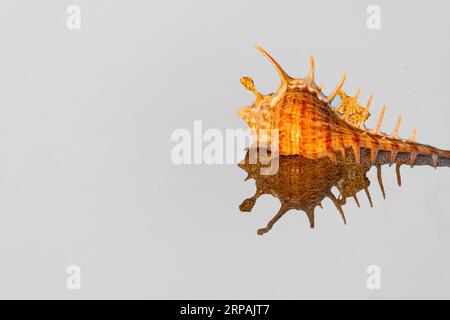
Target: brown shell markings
<point>308,126</point>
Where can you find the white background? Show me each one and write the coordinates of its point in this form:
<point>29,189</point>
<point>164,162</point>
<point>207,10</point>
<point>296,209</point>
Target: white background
<point>86,176</point>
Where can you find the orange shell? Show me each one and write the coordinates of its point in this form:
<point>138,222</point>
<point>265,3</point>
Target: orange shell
<point>307,125</point>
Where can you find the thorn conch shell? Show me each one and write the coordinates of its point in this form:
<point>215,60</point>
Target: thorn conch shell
<point>307,125</point>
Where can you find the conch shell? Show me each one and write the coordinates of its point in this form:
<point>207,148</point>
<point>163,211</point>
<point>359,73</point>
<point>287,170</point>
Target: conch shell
<point>307,125</point>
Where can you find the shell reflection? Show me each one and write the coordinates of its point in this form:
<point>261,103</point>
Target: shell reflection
<point>302,184</point>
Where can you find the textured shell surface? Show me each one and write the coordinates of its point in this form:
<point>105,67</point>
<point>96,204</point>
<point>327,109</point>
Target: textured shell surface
<point>303,184</point>
<point>307,125</point>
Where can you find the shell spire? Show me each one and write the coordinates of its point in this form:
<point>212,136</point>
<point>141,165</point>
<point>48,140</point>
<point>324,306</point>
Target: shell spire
<point>284,77</point>
<point>413,136</point>
<point>310,75</point>
<point>339,87</point>
<point>377,129</point>
<point>366,112</point>
<point>247,82</point>
<point>397,126</point>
